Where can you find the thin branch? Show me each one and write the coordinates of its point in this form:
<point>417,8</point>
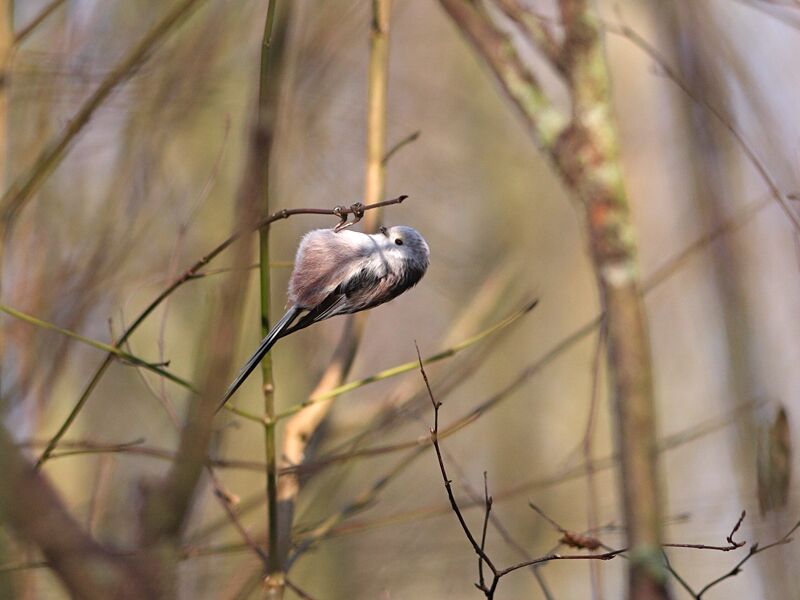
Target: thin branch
<point>486,513</point>
<point>188,275</point>
<point>412,137</point>
<point>409,366</point>
<point>754,550</point>
<point>272,52</point>
<point>488,590</point>
<point>29,182</point>
<point>112,350</point>
<point>229,505</point>
<point>732,545</point>
<point>626,31</point>
<point>588,456</point>
<point>28,29</point>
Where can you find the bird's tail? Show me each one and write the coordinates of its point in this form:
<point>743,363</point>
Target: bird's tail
<point>275,333</point>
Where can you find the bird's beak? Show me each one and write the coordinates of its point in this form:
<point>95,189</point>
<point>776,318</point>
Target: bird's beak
<point>384,231</point>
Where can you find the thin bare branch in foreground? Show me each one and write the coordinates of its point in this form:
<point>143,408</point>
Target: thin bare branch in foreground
<point>497,574</point>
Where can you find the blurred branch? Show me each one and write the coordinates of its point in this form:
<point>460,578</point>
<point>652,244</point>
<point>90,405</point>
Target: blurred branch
<point>188,275</point>
<point>165,505</point>
<point>114,350</point>
<point>272,54</point>
<point>409,139</point>
<point>407,367</point>
<point>543,119</point>
<point>538,30</point>
<point>360,502</point>
<point>626,31</point>
<point>584,152</point>
<point>136,447</point>
<point>28,29</point>
<point>33,510</point>
<point>21,190</point>
<point>377,107</point>
<point>587,446</point>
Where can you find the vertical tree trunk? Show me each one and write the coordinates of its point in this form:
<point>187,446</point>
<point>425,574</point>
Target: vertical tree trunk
<point>583,148</point>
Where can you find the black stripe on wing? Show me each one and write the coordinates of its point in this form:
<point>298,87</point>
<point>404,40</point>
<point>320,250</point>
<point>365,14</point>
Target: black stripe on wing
<point>338,301</point>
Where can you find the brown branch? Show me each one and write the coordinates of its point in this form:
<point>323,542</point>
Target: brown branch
<point>732,545</point>
<point>188,275</point>
<point>544,121</point>
<point>28,29</point>
<point>23,188</point>
<point>33,510</point>
<point>488,510</point>
<point>538,30</point>
<point>663,64</point>
<point>497,574</point>
<point>399,145</point>
<point>754,550</point>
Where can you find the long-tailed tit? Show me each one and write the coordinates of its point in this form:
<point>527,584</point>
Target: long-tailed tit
<point>341,273</point>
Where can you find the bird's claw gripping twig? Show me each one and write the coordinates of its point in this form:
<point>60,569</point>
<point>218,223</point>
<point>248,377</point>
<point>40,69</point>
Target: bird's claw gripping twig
<point>357,211</point>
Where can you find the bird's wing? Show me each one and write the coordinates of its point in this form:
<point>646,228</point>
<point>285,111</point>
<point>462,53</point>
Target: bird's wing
<point>347,297</point>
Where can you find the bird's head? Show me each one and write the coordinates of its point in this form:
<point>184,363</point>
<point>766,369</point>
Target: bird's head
<point>406,243</point>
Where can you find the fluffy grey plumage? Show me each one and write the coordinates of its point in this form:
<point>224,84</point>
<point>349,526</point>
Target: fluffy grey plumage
<point>341,273</point>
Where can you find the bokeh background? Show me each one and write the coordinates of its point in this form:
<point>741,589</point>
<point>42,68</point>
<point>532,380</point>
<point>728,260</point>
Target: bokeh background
<point>149,187</point>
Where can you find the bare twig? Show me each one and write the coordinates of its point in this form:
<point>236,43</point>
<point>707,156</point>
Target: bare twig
<point>732,545</point>
<point>412,137</point>
<point>754,550</point>
<point>584,150</point>
<point>28,29</point>
<point>186,276</point>
<point>626,31</point>
<point>497,574</point>
<point>486,513</point>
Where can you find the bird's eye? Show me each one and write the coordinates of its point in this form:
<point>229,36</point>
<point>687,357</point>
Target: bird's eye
<point>399,242</point>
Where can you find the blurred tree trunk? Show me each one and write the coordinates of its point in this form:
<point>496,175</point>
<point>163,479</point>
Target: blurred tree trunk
<point>583,148</point>
<point>707,61</point>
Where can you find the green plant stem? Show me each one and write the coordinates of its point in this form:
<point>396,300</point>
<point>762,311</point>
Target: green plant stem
<point>112,350</point>
<point>188,275</point>
<point>268,94</point>
<point>406,367</point>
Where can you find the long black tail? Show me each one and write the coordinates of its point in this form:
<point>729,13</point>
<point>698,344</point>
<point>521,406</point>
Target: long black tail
<point>275,333</point>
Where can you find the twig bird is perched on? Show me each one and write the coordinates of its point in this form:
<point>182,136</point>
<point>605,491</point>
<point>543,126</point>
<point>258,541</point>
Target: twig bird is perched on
<point>341,273</point>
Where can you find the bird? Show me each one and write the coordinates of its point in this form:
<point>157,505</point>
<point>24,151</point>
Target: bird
<point>343,272</point>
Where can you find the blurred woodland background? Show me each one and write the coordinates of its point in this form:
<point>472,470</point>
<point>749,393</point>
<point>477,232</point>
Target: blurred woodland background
<point>140,134</point>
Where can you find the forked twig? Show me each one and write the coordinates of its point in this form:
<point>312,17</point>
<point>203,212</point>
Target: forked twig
<point>488,589</point>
